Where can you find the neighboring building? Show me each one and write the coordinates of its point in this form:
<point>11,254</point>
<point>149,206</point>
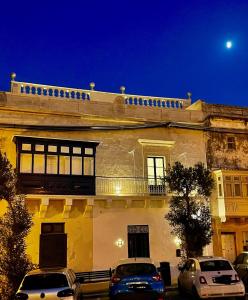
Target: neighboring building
<point>227,156</point>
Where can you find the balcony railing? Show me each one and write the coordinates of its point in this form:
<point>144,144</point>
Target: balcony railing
<point>127,186</point>
<point>42,90</point>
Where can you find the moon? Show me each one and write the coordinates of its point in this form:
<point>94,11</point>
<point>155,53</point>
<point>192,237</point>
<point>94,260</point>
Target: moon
<point>229,44</point>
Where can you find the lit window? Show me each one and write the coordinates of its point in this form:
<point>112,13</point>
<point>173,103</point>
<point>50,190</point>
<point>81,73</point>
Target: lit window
<point>52,164</point>
<point>39,148</point>
<point>76,150</point>
<point>76,165</point>
<point>26,147</point>
<point>39,163</point>
<point>25,163</point>
<point>64,165</point>
<point>89,151</point>
<point>88,166</point>
<point>52,148</point>
<point>65,149</point>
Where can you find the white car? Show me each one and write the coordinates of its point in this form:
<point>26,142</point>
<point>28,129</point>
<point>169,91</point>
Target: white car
<point>49,284</point>
<point>210,277</point>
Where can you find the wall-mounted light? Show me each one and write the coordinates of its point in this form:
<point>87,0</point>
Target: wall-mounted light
<point>118,189</point>
<point>177,241</point>
<point>119,243</point>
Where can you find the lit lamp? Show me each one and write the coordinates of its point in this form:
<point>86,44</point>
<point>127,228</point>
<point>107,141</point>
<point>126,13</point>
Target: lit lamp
<point>119,243</point>
<point>117,189</point>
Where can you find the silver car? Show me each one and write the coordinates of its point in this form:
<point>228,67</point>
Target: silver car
<point>49,284</point>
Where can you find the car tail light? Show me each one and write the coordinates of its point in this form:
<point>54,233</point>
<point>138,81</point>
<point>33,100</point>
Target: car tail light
<point>115,279</point>
<point>65,293</point>
<point>202,280</point>
<point>156,277</point>
<point>21,296</point>
<point>237,277</point>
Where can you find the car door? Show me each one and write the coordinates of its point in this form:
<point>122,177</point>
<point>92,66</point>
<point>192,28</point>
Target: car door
<point>190,275</point>
<point>241,266</point>
<point>184,275</point>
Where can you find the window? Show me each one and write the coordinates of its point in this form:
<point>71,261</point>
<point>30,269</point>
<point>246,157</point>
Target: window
<point>156,173</point>
<point>138,241</point>
<point>233,186</point>
<point>55,157</point>
<point>231,145</point>
<point>50,228</point>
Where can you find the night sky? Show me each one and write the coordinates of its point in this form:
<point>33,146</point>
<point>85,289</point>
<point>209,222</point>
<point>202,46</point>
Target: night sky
<point>158,48</point>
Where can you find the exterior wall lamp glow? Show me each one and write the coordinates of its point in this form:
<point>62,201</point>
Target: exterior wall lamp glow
<point>119,243</point>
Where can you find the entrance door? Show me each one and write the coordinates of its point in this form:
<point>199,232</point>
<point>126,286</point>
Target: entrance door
<point>228,246</point>
<point>53,245</point>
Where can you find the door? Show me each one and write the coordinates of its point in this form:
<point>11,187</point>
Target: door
<point>228,246</point>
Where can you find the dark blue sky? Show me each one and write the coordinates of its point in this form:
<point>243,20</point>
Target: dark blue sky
<point>158,48</point>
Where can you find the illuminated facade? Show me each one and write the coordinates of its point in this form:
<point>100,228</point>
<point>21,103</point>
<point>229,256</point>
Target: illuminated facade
<point>90,164</point>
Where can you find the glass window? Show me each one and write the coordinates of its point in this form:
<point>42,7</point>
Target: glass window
<point>76,150</point>
<point>52,164</point>
<point>228,190</point>
<point>64,165</point>
<point>39,148</point>
<point>39,163</point>
<point>26,147</point>
<point>89,151</point>
<point>64,149</point>
<point>135,269</point>
<point>89,166</point>
<point>155,170</point>
<point>52,148</point>
<point>26,163</point>
<point>245,189</point>
<point>237,189</point>
<point>220,190</point>
<point>44,281</point>
<point>215,265</point>
<point>76,165</point>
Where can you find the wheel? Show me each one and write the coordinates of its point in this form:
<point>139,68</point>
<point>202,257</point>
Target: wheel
<point>195,293</point>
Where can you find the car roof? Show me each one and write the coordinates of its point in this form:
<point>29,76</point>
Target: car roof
<point>207,258</point>
<point>137,260</point>
<point>48,270</point>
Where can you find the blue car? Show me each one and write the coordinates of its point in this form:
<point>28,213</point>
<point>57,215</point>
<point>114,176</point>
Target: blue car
<point>136,278</point>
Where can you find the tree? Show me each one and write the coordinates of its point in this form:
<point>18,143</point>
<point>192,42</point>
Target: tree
<point>189,213</point>
<point>15,224</point>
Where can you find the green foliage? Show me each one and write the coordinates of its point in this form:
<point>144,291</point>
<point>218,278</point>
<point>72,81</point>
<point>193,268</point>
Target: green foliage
<point>15,225</point>
<point>189,214</point>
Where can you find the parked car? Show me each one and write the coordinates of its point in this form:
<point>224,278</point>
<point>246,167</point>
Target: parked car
<point>208,277</point>
<point>49,284</point>
<point>136,278</point>
<point>241,266</point>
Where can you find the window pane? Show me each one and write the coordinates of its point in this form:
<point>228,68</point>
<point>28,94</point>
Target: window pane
<point>160,172</point>
<point>65,149</point>
<point>228,190</point>
<point>237,189</point>
<point>76,150</point>
<point>151,173</point>
<point>159,162</point>
<point>39,163</point>
<point>150,162</point>
<point>88,166</point>
<point>25,163</point>
<point>88,151</point>
<point>52,148</point>
<point>64,165</point>
<point>52,164</point>
<point>26,147</point>
<point>76,165</point>
<point>245,190</point>
<point>39,148</point>
<point>220,190</point>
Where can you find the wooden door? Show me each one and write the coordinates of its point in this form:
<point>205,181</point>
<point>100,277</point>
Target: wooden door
<point>228,246</point>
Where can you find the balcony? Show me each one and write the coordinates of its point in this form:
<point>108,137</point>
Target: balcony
<point>127,186</point>
<point>88,185</point>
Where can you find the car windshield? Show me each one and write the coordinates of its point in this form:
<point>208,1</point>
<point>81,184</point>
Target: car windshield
<point>44,281</point>
<point>215,265</point>
<point>135,269</point>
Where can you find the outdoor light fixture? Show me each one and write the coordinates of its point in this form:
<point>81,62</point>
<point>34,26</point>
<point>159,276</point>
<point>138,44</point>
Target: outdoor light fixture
<point>177,241</point>
<point>117,189</point>
<point>119,243</point>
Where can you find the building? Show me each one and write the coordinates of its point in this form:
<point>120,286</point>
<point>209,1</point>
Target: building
<point>227,149</point>
<point>90,164</point>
